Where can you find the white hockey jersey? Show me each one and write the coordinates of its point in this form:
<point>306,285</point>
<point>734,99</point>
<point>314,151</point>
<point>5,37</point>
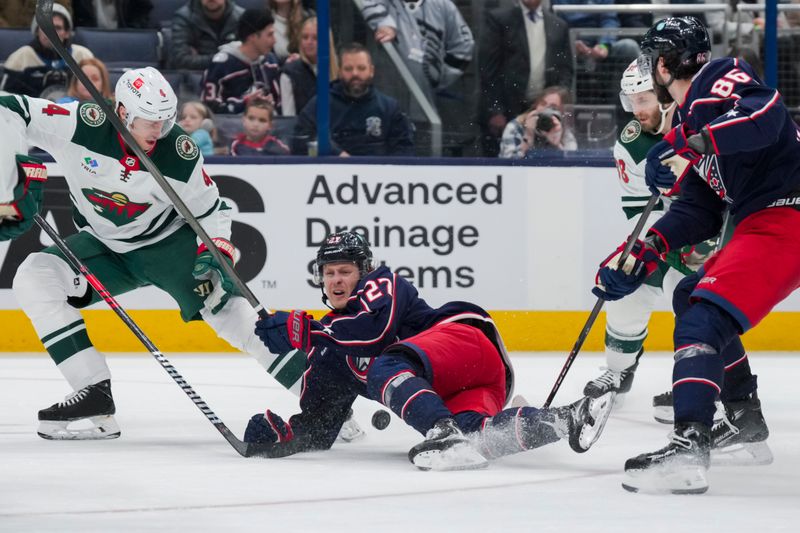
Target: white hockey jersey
<point>114,197</point>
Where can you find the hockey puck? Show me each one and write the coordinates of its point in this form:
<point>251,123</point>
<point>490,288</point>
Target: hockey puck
<point>380,420</point>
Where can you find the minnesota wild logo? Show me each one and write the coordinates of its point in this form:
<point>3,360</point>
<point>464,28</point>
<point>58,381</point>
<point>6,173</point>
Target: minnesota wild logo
<point>114,206</point>
<point>92,114</point>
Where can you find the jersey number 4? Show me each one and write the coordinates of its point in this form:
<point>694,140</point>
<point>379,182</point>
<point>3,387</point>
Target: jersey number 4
<point>724,86</point>
<point>54,109</point>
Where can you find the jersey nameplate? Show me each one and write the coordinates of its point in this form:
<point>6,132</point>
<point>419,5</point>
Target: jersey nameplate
<point>631,132</point>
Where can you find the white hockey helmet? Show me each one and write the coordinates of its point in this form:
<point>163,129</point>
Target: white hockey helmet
<point>633,82</point>
<point>146,94</point>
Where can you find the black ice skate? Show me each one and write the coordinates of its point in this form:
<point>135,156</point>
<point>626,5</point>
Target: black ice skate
<point>350,430</point>
<point>446,448</point>
<point>679,468</point>
<point>583,421</point>
<point>740,438</point>
<point>663,412</point>
<point>612,381</point>
<point>93,404</point>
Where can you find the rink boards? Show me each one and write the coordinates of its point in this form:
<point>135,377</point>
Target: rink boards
<point>521,241</point>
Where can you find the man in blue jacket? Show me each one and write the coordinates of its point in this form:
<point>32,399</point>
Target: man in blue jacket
<point>364,121</point>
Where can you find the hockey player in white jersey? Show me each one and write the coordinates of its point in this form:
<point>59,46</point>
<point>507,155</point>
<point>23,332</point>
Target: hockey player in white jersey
<point>627,319</point>
<point>130,236</point>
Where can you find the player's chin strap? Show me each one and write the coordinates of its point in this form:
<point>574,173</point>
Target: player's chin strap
<point>664,126</point>
<point>325,298</point>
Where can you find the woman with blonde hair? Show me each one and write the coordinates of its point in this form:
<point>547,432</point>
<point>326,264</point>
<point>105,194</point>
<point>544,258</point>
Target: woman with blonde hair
<point>97,73</point>
<point>299,78</point>
<point>289,16</point>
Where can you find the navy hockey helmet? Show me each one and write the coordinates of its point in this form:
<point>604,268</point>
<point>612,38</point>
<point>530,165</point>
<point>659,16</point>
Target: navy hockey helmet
<point>344,246</point>
<point>683,42</point>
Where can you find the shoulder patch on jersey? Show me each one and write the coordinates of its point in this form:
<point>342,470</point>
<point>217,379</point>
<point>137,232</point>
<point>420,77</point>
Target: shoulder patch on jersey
<point>186,147</point>
<point>631,131</point>
<point>92,115</point>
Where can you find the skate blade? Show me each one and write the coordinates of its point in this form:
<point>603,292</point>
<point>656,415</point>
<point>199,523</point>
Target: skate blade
<point>685,480</point>
<point>103,428</point>
<point>746,454</point>
<point>350,431</point>
<point>461,456</point>
<point>599,409</point>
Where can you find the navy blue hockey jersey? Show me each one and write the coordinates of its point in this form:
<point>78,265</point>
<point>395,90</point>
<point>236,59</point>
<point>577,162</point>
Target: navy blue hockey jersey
<point>384,308</point>
<point>757,145</point>
<point>232,76</point>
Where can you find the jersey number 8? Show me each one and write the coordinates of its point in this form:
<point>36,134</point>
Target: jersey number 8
<point>724,86</point>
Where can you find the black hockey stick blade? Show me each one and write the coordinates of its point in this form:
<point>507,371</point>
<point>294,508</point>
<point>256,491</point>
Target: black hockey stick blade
<point>598,305</point>
<point>44,18</point>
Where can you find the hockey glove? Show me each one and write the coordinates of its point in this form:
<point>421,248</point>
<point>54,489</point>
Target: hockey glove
<point>299,326</point>
<point>17,217</point>
<point>614,281</point>
<point>268,428</point>
<point>273,333</point>
<point>215,284</point>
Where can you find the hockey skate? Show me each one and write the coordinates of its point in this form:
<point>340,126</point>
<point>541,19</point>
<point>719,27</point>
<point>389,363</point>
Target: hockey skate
<point>662,409</point>
<point>740,438</point>
<point>93,404</point>
<point>446,448</point>
<point>585,420</point>
<point>612,381</point>
<point>350,430</point>
<point>678,468</point>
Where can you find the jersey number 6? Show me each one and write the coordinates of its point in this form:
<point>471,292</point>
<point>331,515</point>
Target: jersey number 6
<point>724,86</point>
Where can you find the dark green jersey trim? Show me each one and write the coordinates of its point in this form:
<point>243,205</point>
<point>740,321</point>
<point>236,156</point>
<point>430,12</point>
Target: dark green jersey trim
<point>59,331</point>
<point>11,103</point>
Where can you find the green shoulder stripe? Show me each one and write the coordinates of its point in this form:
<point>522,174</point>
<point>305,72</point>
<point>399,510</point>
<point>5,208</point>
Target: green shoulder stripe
<point>637,141</point>
<point>176,155</point>
<point>17,104</point>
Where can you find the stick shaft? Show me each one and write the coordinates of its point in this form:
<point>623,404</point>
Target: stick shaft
<point>598,305</point>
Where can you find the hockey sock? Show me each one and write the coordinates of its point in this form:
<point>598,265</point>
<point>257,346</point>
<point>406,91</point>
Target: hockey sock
<point>518,429</point>
<point>394,381</point>
<point>739,380</point>
<point>698,373</point>
<point>622,351</point>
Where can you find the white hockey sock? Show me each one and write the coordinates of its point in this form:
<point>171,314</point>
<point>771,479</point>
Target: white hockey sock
<point>235,324</point>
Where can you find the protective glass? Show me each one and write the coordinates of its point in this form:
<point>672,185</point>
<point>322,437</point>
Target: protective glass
<point>142,126</point>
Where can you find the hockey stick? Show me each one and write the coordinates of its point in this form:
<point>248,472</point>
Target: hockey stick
<point>243,448</point>
<point>587,327</point>
<point>44,17</point>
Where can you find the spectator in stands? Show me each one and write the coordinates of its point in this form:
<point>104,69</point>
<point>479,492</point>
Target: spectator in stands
<point>524,49</point>
<point>257,138</point>
<point>97,73</point>
<point>199,29</point>
<point>197,120</point>
<point>246,68</point>
<point>112,14</point>
<point>542,127</point>
<point>299,78</point>
<point>289,16</point>
<point>36,69</point>
<point>431,36</point>
<point>19,13</point>
<point>363,120</point>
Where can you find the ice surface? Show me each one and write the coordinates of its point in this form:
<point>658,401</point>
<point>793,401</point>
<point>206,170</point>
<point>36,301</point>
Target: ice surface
<point>172,471</point>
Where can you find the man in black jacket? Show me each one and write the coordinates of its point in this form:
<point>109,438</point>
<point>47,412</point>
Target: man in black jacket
<point>521,52</point>
<point>363,120</point>
<point>199,28</point>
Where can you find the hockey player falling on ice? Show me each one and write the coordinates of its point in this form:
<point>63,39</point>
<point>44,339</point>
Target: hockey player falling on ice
<point>733,144</point>
<point>444,371</point>
<point>130,236</point>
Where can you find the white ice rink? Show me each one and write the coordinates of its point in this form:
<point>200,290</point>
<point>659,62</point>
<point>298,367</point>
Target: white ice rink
<point>172,471</point>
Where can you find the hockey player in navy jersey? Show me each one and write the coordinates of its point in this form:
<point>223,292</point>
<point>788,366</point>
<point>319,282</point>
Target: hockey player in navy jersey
<point>444,371</point>
<point>733,145</point>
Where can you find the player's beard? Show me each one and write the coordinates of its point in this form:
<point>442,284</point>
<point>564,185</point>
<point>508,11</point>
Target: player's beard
<point>662,94</point>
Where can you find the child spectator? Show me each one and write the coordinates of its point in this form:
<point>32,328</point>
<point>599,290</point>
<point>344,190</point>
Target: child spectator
<point>256,138</point>
<point>97,73</point>
<point>197,120</point>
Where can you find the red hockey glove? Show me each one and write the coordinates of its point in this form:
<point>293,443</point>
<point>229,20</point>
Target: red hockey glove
<point>299,326</point>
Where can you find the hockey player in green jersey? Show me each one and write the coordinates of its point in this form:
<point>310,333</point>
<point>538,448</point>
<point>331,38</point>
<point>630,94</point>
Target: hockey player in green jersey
<point>626,319</point>
<point>130,236</point>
